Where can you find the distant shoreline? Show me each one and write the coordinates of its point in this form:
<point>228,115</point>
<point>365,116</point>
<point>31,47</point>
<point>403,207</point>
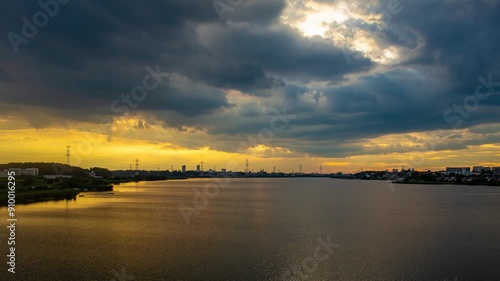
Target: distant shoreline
<point>427,182</point>
<point>450,183</point>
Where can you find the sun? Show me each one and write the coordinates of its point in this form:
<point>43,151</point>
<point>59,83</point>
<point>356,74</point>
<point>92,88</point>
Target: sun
<point>320,16</point>
<point>338,22</point>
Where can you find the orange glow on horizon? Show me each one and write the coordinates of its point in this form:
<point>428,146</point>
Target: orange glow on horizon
<point>157,147</point>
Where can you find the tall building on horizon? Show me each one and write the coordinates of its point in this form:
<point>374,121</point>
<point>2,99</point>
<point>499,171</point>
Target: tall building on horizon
<point>458,170</point>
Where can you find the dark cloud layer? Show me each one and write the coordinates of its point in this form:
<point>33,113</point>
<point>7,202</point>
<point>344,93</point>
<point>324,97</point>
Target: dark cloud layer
<point>91,53</point>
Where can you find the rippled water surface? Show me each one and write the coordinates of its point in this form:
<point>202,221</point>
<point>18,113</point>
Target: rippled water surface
<point>263,229</point>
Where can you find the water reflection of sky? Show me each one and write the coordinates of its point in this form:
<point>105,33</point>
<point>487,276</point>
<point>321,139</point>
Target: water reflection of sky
<point>258,229</point>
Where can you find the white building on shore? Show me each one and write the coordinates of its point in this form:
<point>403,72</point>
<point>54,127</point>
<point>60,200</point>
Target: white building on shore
<point>19,172</point>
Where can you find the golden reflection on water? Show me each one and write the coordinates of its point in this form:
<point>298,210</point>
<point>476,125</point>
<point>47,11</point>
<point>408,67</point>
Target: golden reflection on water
<point>258,228</point>
<point>127,187</point>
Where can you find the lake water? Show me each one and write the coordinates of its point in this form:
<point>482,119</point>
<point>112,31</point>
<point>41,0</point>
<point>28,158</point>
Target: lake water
<point>262,229</point>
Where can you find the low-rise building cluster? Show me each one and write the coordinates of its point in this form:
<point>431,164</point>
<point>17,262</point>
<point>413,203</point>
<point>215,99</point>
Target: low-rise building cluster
<point>19,172</point>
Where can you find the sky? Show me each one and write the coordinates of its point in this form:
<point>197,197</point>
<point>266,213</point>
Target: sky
<point>342,85</point>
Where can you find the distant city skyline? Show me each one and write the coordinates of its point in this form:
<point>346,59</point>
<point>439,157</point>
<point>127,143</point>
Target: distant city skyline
<point>348,85</point>
<point>235,166</point>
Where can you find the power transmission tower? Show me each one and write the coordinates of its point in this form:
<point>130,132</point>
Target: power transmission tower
<point>68,155</point>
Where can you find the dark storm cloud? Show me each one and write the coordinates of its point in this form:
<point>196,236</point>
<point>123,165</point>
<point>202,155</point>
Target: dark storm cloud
<point>391,103</point>
<point>284,53</point>
<point>458,46</point>
<point>3,75</point>
<point>459,35</point>
<point>247,77</point>
<point>92,52</point>
<point>394,35</point>
<point>256,11</point>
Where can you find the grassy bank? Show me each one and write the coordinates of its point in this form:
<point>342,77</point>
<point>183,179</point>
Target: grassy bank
<point>32,196</point>
<point>38,189</point>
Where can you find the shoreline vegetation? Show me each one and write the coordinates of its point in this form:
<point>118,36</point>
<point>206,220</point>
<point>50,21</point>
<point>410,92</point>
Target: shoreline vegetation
<point>57,182</point>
